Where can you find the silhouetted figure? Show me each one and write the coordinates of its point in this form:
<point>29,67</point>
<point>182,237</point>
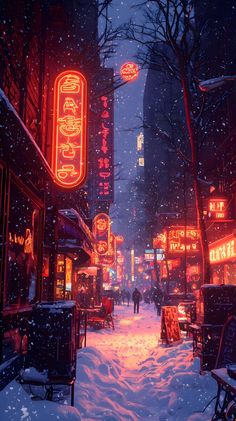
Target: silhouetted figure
<point>123,295</point>
<point>128,296</point>
<point>136,297</point>
<point>157,298</point>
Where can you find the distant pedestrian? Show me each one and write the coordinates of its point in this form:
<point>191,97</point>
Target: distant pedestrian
<point>136,297</point>
<point>128,296</point>
<point>157,298</point>
<point>123,295</point>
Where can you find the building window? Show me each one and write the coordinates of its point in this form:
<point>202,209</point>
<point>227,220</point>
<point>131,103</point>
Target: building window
<point>141,162</point>
<point>23,239</point>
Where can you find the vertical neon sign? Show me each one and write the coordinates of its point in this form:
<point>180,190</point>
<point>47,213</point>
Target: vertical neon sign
<point>69,145</point>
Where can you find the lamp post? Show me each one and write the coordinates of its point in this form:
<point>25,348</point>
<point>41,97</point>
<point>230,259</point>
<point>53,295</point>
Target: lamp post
<point>210,84</point>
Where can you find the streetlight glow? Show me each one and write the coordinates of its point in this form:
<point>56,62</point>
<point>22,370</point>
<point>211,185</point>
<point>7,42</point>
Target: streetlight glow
<point>210,84</point>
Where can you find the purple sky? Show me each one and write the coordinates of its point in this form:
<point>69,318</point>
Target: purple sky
<point>129,98</point>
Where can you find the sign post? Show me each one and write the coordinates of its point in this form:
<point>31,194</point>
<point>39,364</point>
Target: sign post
<point>170,329</point>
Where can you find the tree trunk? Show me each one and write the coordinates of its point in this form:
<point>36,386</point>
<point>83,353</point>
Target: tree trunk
<point>206,274</point>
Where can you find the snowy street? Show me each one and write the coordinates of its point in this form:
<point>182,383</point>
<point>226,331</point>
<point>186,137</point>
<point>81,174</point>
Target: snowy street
<point>125,375</point>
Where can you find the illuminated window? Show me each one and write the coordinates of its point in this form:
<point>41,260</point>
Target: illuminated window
<point>141,162</point>
<point>140,141</point>
<point>23,235</point>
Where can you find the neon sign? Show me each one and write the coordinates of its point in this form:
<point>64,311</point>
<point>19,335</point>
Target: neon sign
<point>217,208</point>
<point>223,250</point>
<point>102,233</point>
<point>177,240</point>
<point>69,145</point>
<point>181,240</point>
<point>129,71</point>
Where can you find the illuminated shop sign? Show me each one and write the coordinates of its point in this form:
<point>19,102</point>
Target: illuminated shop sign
<point>69,144</point>
<point>104,166</point>
<point>177,240</point>
<point>102,233</point>
<point>180,240</point>
<point>223,250</point>
<point>119,239</point>
<point>217,208</point>
<point>149,255</point>
<point>108,259</point>
<point>26,241</point>
<point>129,71</point>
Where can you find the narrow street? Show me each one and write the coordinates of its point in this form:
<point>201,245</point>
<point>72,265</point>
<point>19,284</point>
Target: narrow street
<point>127,375</point>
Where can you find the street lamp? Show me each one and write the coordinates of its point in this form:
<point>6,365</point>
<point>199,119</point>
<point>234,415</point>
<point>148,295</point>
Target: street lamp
<point>210,84</point>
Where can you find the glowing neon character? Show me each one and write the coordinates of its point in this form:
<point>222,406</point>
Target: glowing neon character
<point>102,247</point>
<point>69,125</point>
<point>104,100</point>
<point>105,114</point>
<point>71,84</point>
<point>104,147</point>
<point>104,174</point>
<point>104,163</point>
<point>70,105</point>
<point>68,150</point>
<point>104,188</point>
<point>66,171</point>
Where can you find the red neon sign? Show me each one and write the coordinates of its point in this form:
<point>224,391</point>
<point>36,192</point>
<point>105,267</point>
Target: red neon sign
<point>102,233</point>
<point>223,250</point>
<point>129,71</point>
<point>181,239</point>
<point>217,208</point>
<point>69,145</point>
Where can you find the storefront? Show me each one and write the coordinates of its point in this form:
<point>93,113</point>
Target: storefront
<point>75,277</point>
<point>223,260</point>
<point>24,180</point>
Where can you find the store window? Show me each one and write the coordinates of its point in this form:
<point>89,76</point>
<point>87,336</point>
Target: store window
<point>23,239</point>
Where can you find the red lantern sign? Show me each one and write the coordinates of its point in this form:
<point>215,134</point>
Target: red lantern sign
<point>129,71</point>
<point>69,145</point>
<point>102,233</point>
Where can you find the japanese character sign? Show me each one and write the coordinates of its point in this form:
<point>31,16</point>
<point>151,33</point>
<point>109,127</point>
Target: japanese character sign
<point>102,233</point>
<point>69,145</point>
<point>104,141</point>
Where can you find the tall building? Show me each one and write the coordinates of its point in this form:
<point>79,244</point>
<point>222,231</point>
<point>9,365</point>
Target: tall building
<point>163,169</point>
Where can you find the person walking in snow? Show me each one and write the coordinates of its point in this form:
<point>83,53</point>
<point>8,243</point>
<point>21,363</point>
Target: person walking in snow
<point>157,298</point>
<point>136,297</point>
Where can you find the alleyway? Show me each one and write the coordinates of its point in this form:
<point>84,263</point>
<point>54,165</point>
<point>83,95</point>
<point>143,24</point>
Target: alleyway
<point>125,375</point>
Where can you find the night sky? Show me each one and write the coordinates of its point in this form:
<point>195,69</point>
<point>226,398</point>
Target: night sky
<point>128,99</point>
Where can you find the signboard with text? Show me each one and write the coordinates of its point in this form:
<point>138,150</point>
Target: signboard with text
<point>217,208</point>
<point>177,240</point>
<point>104,147</point>
<point>69,143</point>
<point>223,250</point>
<point>170,329</point>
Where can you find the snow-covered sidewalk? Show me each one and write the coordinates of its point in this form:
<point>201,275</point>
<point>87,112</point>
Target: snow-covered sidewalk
<point>125,374</point>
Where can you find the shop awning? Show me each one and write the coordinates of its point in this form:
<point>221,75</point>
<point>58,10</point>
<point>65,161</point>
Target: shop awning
<point>74,235</point>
